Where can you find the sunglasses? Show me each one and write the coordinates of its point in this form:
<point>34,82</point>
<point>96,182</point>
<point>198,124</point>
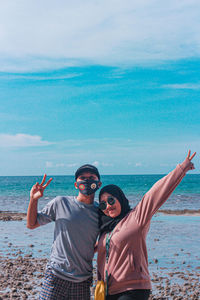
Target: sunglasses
<point>103,204</point>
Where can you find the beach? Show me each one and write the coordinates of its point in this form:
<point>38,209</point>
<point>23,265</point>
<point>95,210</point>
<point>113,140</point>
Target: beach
<point>172,242</point>
<point>23,275</point>
<point>174,266</point>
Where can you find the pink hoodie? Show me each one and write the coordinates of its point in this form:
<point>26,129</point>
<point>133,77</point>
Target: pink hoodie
<point>128,260</point>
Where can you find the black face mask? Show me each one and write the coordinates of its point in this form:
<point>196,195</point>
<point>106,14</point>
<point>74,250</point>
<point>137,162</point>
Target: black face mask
<point>88,186</point>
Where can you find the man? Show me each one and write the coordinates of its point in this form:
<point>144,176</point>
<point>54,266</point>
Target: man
<point>69,270</point>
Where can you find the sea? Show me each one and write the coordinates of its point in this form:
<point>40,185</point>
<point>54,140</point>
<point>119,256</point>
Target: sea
<point>173,240</point>
<point>14,190</point>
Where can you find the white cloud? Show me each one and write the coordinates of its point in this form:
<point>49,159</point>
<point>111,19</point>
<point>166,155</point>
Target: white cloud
<point>21,140</point>
<point>72,165</point>
<point>95,163</point>
<point>60,165</point>
<point>138,164</point>
<point>104,164</point>
<point>166,165</point>
<point>183,86</point>
<point>49,164</point>
<point>39,77</point>
<point>50,34</point>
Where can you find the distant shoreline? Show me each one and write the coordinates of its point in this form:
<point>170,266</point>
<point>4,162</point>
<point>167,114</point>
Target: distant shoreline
<point>181,212</point>
<point>17,216</point>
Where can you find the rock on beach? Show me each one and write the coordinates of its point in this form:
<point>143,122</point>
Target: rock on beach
<point>12,216</point>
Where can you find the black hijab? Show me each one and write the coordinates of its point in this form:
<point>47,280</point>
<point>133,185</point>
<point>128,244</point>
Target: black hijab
<point>107,223</point>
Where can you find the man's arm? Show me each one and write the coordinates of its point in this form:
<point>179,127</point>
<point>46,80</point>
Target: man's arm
<point>35,193</point>
<point>32,222</point>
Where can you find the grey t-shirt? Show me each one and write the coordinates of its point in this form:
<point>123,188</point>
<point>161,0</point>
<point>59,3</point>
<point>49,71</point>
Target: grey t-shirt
<point>75,233</point>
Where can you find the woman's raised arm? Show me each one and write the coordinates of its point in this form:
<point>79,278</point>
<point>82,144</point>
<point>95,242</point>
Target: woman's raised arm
<point>161,191</point>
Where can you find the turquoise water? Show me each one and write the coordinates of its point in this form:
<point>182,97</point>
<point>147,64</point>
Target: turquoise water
<point>14,190</point>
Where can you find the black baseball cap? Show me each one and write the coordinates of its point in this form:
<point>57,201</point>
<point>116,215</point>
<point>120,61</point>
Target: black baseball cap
<point>87,168</point>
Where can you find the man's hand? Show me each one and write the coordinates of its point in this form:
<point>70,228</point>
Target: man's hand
<point>38,189</point>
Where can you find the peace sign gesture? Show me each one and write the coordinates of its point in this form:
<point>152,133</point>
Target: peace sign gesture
<point>38,189</point>
<point>191,157</point>
<point>188,161</point>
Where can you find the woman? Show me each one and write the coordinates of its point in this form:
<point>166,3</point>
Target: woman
<point>123,233</point>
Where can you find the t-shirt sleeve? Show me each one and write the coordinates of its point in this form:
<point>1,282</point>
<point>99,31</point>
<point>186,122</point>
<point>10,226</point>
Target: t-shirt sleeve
<point>48,213</point>
<point>157,195</point>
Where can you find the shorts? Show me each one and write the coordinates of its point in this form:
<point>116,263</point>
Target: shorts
<point>55,288</point>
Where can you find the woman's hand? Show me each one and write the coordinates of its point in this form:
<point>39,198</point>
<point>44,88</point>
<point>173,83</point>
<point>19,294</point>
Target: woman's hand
<point>38,189</point>
<point>187,164</point>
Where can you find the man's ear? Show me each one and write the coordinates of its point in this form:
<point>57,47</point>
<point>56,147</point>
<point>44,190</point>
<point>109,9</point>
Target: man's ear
<point>100,184</point>
<point>75,184</point>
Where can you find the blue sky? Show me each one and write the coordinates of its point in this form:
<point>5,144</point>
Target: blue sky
<point>109,83</point>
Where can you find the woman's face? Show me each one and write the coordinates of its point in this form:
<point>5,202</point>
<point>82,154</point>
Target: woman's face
<point>111,210</point>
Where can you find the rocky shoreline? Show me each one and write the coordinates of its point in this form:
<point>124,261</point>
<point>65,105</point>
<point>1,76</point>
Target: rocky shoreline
<point>12,216</point>
<point>22,264</point>
<point>182,212</point>
<point>17,216</point>
<point>21,278</point>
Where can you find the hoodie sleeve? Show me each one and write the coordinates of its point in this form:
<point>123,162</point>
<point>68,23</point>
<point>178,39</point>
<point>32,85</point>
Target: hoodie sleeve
<point>159,193</point>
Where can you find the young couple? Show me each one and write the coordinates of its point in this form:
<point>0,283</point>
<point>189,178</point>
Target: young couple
<point>78,224</point>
